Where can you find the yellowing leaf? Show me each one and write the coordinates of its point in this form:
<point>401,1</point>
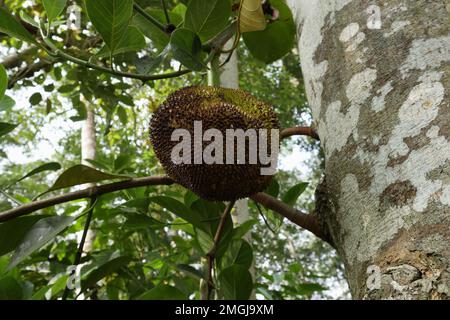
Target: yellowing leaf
<point>252,16</point>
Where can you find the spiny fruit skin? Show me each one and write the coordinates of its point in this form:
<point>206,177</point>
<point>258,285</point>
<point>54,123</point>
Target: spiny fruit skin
<point>221,109</point>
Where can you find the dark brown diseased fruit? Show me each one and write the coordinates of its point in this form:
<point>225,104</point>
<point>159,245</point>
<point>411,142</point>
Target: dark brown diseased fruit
<point>221,109</point>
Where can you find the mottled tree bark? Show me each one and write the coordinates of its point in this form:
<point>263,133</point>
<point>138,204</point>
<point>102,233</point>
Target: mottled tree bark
<point>377,75</point>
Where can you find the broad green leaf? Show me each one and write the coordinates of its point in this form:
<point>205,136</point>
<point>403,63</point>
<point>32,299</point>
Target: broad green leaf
<point>132,41</point>
<point>277,39</point>
<point>273,189</point>
<point>244,228</point>
<point>159,38</point>
<point>6,128</point>
<point>6,103</point>
<point>3,81</point>
<point>35,98</point>
<point>10,289</point>
<point>163,292</point>
<point>147,64</point>
<point>111,19</point>
<point>236,283</point>
<point>309,288</point>
<point>28,19</point>
<point>81,174</point>
<point>205,240</point>
<point>180,9</point>
<point>186,48</point>
<point>209,213</point>
<point>54,8</point>
<point>10,26</point>
<point>291,196</point>
<point>177,208</point>
<point>239,252</point>
<point>190,198</point>
<point>13,231</point>
<point>42,232</point>
<point>104,270</point>
<point>207,18</point>
<point>190,270</point>
<point>51,166</point>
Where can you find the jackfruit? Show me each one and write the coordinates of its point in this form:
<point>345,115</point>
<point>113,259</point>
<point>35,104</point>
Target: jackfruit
<point>221,109</point>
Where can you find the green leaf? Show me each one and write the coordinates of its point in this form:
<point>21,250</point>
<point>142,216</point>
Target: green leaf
<point>132,41</point>
<point>10,289</point>
<point>42,232</point>
<point>236,283</point>
<point>28,19</point>
<point>6,128</point>
<point>35,99</point>
<point>277,39</point>
<point>81,174</point>
<point>148,64</point>
<point>186,48</point>
<point>159,38</point>
<point>111,19</point>
<point>163,292</point>
<point>51,166</point>
<point>273,189</point>
<point>207,18</point>
<point>6,103</point>
<point>54,8</point>
<point>104,270</point>
<point>177,208</point>
<point>13,231</point>
<point>239,253</point>
<point>10,26</point>
<point>205,240</point>
<point>291,196</point>
<point>3,81</point>
<point>180,9</point>
<point>190,270</point>
<point>309,288</point>
<point>244,228</point>
<point>190,198</point>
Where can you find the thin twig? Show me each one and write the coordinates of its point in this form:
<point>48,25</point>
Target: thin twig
<point>166,13</point>
<point>264,217</point>
<point>212,253</point>
<point>147,16</point>
<point>82,242</point>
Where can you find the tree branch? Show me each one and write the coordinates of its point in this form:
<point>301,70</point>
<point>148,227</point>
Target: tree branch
<point>29,71</point>
<point>81,194</point>
<point>16,59</point>
<point>145,14</point>
<point>306,221</point>
<point>142,77</point>
<point>299,131</point>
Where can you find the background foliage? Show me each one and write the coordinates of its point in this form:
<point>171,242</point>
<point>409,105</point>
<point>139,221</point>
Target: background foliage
<point>150,242</point>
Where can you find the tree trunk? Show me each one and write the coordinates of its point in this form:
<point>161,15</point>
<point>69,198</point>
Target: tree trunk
<point>377,76</point>
<point>88,152</point>
<point>229,78</point>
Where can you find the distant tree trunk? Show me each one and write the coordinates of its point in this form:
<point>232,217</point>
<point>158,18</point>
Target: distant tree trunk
<point>377,75</point>
<point>229,78</point>
<point>88,152</point>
